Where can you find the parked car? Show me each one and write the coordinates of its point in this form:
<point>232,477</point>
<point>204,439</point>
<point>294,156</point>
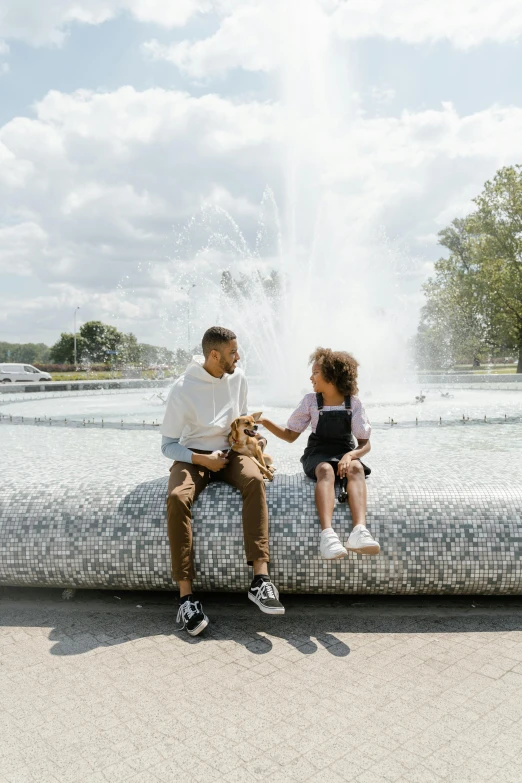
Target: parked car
<point>22,373</point>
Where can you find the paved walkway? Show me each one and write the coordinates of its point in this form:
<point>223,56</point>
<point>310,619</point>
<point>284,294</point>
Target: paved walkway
<point>103,689</point>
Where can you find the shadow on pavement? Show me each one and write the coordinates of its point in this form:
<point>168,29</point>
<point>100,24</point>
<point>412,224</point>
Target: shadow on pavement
<point>97,619</point>
<point>91,632</point>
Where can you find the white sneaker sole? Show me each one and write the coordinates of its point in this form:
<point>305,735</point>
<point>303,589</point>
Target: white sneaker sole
<point>266,609</point>
<point>199,628</point>
<point>371,549</point>
<point>338,556</point>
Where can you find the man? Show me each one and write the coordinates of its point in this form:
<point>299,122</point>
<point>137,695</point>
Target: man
<point>201,406</point>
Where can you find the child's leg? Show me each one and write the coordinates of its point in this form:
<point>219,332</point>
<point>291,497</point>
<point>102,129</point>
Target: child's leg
<point>357,492</point>
<point>325,493</point>
<point>360,540</point>
<point>330,547</point>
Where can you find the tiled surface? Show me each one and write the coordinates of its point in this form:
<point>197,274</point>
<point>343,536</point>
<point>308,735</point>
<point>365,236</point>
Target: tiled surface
<point>100,690</point>
<point>88,508</point>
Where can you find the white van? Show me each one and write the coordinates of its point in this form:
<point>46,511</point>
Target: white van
<point>22,373</point>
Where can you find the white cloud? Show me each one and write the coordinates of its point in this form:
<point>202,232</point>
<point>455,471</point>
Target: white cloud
<point>417,172</point>
<point>126,118</point>
<point>168,13</point>
<point>19,244</point>
<point>91,187</point>
<point>250,37</point>
<point>465,23</point>
<point>254,34</point>
<point>46,24</point>
<point>262,35</point>
<point>13,171</point>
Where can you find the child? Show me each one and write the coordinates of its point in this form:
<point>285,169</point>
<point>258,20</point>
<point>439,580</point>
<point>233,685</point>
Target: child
<point>335,414</point>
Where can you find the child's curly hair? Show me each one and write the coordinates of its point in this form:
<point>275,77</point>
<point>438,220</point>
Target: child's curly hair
<point>339,368</point>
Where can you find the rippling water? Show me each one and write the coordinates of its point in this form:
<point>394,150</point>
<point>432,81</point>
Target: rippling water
<point>147,405</point>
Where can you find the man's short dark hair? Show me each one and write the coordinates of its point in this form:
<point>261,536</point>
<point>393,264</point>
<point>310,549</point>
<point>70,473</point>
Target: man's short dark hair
<point>214,338</point>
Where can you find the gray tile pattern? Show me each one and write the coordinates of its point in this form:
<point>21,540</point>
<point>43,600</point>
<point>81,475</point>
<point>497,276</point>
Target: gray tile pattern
<point>98,532</point>
<point>86,507</point>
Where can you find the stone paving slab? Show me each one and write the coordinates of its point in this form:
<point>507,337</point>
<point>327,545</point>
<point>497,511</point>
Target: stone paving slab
<point>104,689</point>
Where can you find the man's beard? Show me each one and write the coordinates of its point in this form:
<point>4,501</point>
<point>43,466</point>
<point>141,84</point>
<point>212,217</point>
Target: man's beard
<point>227,368</point>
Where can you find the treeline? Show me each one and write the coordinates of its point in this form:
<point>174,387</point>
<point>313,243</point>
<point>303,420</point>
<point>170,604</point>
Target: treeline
<point>99,346</point>
<point>99,343</point>
<point>473,307</point>
<point>72,367</point>
<point>26,353</point>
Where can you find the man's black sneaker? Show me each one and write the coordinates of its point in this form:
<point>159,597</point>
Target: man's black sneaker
<point>265,594</point>
<point>192,617</point>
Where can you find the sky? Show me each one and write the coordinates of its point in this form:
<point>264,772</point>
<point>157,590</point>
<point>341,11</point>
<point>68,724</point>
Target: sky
<point>121,119</point>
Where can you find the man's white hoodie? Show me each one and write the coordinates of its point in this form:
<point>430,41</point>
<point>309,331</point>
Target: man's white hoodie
<point>201,408</point>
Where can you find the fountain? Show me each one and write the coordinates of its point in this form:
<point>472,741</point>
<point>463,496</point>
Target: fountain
<point>316,268</point>
<point>82,502</point>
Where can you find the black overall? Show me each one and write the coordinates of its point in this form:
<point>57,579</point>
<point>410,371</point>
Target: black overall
<point>331,440</point>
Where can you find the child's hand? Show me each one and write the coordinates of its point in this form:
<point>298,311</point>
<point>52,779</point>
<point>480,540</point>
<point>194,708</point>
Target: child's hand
<point>344,464</point>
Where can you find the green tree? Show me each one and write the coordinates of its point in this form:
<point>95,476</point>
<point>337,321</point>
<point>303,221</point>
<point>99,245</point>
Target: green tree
<point>182,358</point>
<point>97,341</point>
<point>474,299</point>
<point>498,222</point>
<point>130,351</point>
<point>62,352</point>
<point>151,354</point>
<point>148,355</point>
<point>101,341</point>
<point>29,353</point>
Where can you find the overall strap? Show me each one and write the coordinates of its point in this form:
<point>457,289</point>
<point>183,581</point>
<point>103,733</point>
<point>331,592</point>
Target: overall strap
<point>348,409</point>
<point>320,404</point>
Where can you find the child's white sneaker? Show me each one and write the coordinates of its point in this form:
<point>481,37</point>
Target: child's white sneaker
<point>362,542</point>
<point>330,546</point>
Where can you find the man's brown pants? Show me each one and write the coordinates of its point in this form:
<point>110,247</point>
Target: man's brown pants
<point>186,482</point>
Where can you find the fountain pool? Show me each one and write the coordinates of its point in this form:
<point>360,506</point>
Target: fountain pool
<point>396,403</point>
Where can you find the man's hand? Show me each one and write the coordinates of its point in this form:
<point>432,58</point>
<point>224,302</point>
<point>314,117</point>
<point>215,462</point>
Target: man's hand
<point>344,464</point>
<point>214,462</point>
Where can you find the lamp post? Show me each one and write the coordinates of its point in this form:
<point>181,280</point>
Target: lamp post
<point>75,359</point>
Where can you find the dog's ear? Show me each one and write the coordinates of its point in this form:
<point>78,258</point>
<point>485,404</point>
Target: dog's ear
<point>257,416</point>
<point>233,426</point>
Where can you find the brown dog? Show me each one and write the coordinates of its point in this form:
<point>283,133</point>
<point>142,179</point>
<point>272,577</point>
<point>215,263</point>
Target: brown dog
<point>243,439</point>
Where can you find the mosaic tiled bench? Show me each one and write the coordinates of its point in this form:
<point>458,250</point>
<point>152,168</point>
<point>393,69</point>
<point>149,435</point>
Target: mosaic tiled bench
<point>442,540</point>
